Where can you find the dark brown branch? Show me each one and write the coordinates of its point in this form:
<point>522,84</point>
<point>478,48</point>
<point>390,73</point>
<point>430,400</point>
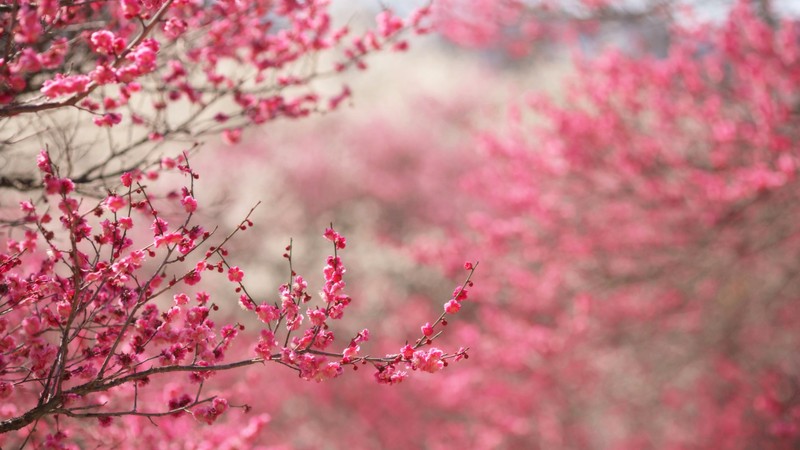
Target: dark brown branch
<point>54,404</point>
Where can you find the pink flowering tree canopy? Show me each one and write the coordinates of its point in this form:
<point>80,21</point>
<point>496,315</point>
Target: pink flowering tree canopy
<point>175,69</point>
<point>637,232</point>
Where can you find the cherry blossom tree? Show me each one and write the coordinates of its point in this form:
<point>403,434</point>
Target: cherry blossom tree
<point>104,319</point>
<point>638,245</point>
<point>648,225</point>
<point>169,70</point>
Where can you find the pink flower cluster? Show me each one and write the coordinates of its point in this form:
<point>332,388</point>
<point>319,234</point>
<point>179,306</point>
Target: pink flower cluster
<point>128,338</point>
<point>123,43</point>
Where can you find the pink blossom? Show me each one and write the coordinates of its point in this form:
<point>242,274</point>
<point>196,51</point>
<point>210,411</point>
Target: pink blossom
<point>246,303</point>
<point>105,42</point>
<point>58,185</point>
<point>168,239</point>
<point>407,352</point>
<point>144,57</point>
<point>428,361</point>
<point>126,223</point>
<point>159,226</point>
<point>196,315</point>
<point>31,325</point>
<point>202,298</point>
<point>189,204</point>
<point>181,299</point>
<point>266,343</point>
<point>175,27</point>
<point>388,23</point>
<point>27,207</point>
<point>390,375</point>
<point>331,370</point>
<point>339,241</point>
<point>108,120</point>
<point>130,8</point>
<point>64,308</point>
<point>126,179</point>
<point>350,353</point>
<point>267,313</point>
<point>30,29</point>
<point>232,136</point>
<point>452,307</point>
<point>65,85</point>
<point>43,162</point>
<point>235,274</point>
<point>193,277</point>
<point>103,75</point>
<point>168,163</point>
<point>114,203</point>
<point>317,316</point>
<point>209,414</point>
<point>362,336</point>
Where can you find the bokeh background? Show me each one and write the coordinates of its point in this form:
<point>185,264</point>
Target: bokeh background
<point>624,172</point>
